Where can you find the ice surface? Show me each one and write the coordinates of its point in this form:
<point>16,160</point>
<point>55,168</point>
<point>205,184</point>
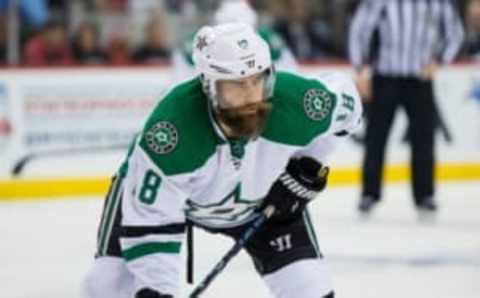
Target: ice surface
<point>46,247</point>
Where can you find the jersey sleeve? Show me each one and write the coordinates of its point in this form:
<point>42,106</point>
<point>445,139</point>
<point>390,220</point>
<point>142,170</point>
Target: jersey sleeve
<point>346,116</point>
<point>320,148</point>
<point>157,183</point>
<point>153,223</point>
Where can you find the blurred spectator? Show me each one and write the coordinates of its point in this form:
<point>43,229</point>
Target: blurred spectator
<point>112,5</point>
<point>472,43</point>
<point>313,29</point>
<point>118,51</point>
<point>155,48</point>
<point>140,15</point>
<point>3,40</point>
<point>175,6</point>
<point>144,5</point>
<point>34,12</point>
<point>340,14</point>
<point>86,49</point>
<point>49,47</point>
<point>308,36</point>
<point>115,30</point>
<point>115,22</point>
<point>241,11</point>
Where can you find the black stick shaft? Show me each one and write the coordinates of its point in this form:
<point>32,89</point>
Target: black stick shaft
<point>257,223</point>
<point>22,162</point>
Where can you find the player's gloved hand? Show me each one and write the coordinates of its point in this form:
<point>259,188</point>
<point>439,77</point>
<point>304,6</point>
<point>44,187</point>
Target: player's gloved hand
<point>149,293</point>
<point>302,180</point>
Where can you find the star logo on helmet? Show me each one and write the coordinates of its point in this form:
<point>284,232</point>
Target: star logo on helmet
<point>201,43</point>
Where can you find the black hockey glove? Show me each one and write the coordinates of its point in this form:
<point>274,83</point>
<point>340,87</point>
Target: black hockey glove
<point>302,180</point>
<point>149,293</point>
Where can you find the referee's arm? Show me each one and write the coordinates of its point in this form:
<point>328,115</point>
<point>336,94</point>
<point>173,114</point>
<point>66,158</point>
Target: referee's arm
<point>453,33</point>
<point>363,25</point>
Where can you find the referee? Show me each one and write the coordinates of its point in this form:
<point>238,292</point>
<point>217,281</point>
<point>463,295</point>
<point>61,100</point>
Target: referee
<point>402,43</point>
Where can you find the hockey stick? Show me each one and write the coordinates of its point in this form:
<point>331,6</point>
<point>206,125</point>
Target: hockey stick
<point>19,166</point>
<point>439,124</point>
<point>249,232</point>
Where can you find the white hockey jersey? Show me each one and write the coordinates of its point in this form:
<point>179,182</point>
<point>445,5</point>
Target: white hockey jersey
<point>182,165</point>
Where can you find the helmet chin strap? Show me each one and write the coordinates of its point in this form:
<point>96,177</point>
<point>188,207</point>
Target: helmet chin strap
<point>224,128</point>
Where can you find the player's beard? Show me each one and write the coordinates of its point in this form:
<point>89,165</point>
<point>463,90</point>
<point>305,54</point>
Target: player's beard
<point>247,121</point>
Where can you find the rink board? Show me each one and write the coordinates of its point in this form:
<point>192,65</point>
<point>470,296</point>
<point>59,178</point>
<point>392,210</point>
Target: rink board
<point>94,112</point>
<point>62,188</point>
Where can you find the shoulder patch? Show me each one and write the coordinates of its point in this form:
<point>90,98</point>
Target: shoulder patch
<point>180,122</point>
<point>303,108</point>
<point>162,137</point>
<point>317,103</point>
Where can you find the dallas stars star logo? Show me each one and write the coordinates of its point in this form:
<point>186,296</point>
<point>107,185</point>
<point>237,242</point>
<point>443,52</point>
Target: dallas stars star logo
<point>162,137</point>
<point>231,208</point>
<point>201,42</point>
<point>318,104</point>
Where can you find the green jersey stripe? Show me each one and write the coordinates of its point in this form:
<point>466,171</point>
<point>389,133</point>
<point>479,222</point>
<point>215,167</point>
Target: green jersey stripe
<point>108,199</point>
<point>144,249</point>
<point>110,211</point>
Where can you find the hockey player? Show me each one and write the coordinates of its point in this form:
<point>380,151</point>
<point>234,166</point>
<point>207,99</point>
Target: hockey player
<point>214,150</point>
<point>234,11</point>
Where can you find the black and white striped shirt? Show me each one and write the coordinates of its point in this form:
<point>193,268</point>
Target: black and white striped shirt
<point>400,37</point>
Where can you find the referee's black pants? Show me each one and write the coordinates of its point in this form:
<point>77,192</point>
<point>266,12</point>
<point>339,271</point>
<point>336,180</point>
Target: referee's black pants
<point>416,97</point>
